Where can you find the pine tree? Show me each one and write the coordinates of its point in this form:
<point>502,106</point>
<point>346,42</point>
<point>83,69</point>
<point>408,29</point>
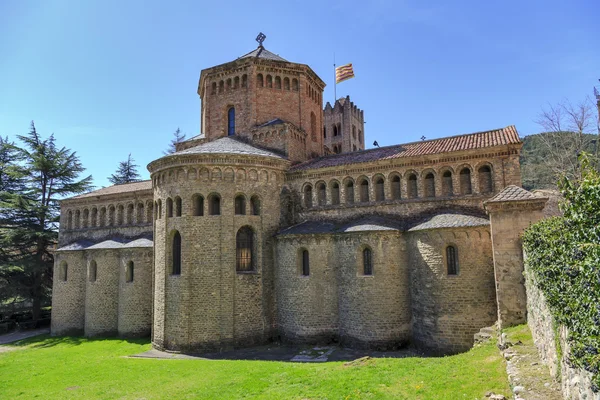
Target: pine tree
<point>42,174</point>
<point>126,173</point>
<point>178,138</point>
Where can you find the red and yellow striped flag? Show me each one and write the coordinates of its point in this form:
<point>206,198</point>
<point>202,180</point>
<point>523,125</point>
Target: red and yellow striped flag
<point>343,73</point>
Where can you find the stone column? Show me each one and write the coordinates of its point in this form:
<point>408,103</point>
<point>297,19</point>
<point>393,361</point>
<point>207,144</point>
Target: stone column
<point>511,212</point>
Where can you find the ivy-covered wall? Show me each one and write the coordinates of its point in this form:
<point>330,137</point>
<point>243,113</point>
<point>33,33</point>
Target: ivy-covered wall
<point>563,263</point>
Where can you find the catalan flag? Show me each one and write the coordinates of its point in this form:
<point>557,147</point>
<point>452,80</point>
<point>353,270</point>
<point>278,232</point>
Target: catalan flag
<point>343,73</point>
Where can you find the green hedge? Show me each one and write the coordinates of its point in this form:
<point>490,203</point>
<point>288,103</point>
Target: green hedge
<point>563,254</point>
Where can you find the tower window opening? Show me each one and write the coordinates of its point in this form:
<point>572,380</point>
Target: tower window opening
<point>231,121</point>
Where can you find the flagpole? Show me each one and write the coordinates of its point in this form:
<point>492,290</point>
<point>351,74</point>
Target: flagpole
<point>334,82</point>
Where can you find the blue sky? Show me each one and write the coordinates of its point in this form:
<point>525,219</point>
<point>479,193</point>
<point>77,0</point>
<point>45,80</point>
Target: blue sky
<point>113,77</point>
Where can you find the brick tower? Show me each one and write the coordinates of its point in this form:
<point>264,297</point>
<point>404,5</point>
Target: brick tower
<point>344,126</point>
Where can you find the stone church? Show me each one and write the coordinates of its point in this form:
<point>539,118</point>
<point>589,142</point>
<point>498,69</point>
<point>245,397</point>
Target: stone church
<point>275,224</point>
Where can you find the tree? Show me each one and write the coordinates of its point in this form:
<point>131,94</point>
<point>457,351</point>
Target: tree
<point>43,175</point>
<point>126,173</point>
<point>178,138</point>
<point>568,130</point>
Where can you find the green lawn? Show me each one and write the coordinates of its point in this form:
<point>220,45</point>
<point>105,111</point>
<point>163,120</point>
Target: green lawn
<point>65,368</point>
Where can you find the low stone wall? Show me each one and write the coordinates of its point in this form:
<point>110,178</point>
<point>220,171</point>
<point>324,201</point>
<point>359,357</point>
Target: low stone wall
<point>575,383</point>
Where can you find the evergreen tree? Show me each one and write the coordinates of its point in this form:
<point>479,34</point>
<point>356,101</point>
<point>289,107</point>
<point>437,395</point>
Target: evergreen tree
<point>178,138</point>
<point>41,175</point>
<point>126,173</point>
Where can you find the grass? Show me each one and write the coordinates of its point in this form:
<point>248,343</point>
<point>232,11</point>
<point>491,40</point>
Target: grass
<point>74,368</point>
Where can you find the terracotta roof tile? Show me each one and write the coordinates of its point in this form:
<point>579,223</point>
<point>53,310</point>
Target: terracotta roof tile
<point>472,141</point>
<point>115,189</point>
<point>513,193</point>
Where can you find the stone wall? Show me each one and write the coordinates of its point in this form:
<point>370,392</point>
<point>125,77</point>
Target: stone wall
<point>449,309</point>
<point>575,383</point>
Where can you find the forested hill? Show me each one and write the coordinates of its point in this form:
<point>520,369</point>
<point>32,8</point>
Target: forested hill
<point>544,155</point>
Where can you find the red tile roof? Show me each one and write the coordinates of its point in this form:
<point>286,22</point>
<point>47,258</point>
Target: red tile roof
<point>472,141</point>
<point>115,189</point>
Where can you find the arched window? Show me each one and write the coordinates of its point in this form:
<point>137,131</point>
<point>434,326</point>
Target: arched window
<point>321,194</point>
<point>395,186</point>
<point>129,272</point>
<point>86,218</point>
<point>485,179</point>
<point>367,261</point>
<point>214,88</point>
<point>149,210</point>
<point>379,190</point>
<point>140,213</point>
<point>229,84</point>
<point>236,82</point>
<point>102,218</point>
<point>353,132</point>
<point>349,192</point>
<point>240,205</point>
<point>277,82</point>
<point>360,137</point>
<point>244,244</point>
<point>269,81</point>
<point>63,270</point>
<point>335,193</point>
<point>364,191</point>
<point>465,181</point>
<point>159,209</point>
<point>286,83</point>
<point>221,86</point>
<point>178,206</point>
<point>255,205</point>
<point>313,126</point>
<point>111,215</point>
<point>335,130</point>
<point>411,186</point>
<point>308,196</point>
<point>176,254</point>
<point>259,81</point>
<point>169,207</point>
<point>231,121</point>
<point>214,204</point>
<point>295,86</point>
<point>429,187</point>
<point>447,189</point>
<point>92,271</point>
<point>198,201</point>
<point>94,218</point>
<point>129,218</point>
<point>305,263</point>
<point>324,133</point>
<point>120,216</point>
<point>452,260</point>
<point>354,147</point>
<point>77,219</point>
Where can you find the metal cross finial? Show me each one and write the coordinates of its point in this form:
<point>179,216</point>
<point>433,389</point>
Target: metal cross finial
<point>423,138</point>
<point>261,38</point>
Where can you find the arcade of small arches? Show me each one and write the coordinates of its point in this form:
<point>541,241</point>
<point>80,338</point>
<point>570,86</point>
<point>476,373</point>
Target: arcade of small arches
<point>245,251</point>
<point>277,83</point>
<point>92,271</point>
<point>204,174</point>
<point>211,206</point>
<point>110,216</point>
<point>416,185</point>
<point>229,84</point>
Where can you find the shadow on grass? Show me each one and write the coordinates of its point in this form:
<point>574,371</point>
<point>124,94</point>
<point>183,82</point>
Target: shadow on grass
<point>46,341</point>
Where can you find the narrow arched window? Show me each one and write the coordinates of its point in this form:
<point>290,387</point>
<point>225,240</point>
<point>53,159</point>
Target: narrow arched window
<point>335,193</point>
<point>231,121</point>
<point>395,187</point>
<point>120,215</point>
<point>465,181</point>
<point>92,271</point>
<point>129,272</point>
<point>321,194</point>
<point>354,147</point>
<point>94,218</point>
<point>324,132</point>
<point>485,179</point>
<point>411,186</point>
<point>198,205</point>
<point>63,270</point>
<point>255,205</point>
<point>102,217</point>
<point>277,82</point>
<point>176,254</point>
<point>295,86</point>
<point>169,207</point>
<point>379,190</point>
<point>178,206</point>
<point>367,261</point>
<point>308,196</point>
<point>349,192</point>
<point>111,215</point>
<point>244,244</point>
<point>86,218</point>
<point>429,185</point>
<point>214,204</point>
<point>236,82</point>
<point>159,209</point>
<point>259,81</point>
<point>313,126</point>
<point>452,260</point>
<point>139,216</point>
<point>229,84</point>
<point>244,81</point>
<point>77,219</point>
<point>364,191</point>
<point>269,81</point>
<point>149,211</point>
<point>221,86</point>
<point>447,189</point>
<point>214,88</point>
<point>240,205</point>
<point>129,218</point>
<point>335,130</point>
<point>305,263</point>
<point>286,83</point>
